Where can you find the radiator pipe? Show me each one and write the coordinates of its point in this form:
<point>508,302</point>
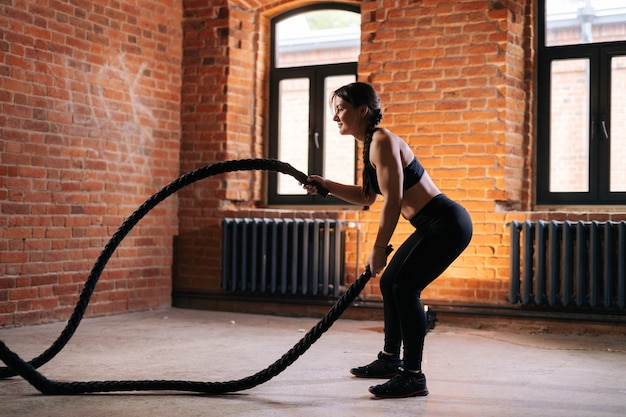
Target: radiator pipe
<point>512,312</point>
<point>530,313</point>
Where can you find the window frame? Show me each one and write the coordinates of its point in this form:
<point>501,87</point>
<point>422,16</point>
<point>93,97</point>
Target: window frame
<point>318,103</point>
<point>599,55</point>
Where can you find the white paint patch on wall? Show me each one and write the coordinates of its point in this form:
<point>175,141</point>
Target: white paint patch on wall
<point>113,102</point>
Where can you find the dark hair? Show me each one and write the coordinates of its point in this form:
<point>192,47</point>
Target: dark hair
<point>358,94</point>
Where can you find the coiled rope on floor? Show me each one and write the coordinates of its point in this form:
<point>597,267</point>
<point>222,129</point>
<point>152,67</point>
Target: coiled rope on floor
<point>28,370</point>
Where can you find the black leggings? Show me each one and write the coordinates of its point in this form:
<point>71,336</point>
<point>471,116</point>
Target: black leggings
<point>443,229</point>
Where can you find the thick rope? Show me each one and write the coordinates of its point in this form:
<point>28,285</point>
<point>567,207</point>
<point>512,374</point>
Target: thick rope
<point>17,366</point>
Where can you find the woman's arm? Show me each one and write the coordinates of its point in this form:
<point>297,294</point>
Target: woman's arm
<point>386,157</point>
<point>350,193</point>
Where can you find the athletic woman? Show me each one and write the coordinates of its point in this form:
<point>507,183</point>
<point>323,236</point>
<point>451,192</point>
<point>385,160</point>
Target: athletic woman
<point>443,229</point>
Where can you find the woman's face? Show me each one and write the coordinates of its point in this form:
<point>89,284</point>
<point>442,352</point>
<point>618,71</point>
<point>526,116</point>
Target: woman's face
<point>349,119</point>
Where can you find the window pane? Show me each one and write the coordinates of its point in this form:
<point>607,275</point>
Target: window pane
<point>573,22</point>
<point>293,131</point>
<point>618,125</point>
<point>317,38</point>
<point>339,151</point>
<point>569,126</point>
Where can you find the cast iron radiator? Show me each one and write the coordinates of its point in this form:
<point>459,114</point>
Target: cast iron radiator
<point>568,264</point>
<point>298,257</point>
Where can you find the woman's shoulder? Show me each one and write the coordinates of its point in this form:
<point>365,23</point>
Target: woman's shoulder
<point>381,132</point>
<point>385,137</point>
<point>382,135</point>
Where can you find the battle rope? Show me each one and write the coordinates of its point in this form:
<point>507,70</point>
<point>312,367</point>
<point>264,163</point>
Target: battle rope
<point>17,366</point>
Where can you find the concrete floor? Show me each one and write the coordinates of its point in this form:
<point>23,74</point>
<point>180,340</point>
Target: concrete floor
<point>470,372</point>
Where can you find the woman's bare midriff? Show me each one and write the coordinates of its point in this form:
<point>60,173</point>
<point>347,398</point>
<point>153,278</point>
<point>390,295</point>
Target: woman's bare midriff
<point>416,197</point>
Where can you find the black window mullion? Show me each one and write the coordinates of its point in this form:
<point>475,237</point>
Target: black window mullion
<point>595,110</point>
<point>316,131</point>
<point>542,179</point>
<point>606,89</point>
<point>602,115</point>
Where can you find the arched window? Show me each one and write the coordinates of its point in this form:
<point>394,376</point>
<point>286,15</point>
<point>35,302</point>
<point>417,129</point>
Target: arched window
<point>314,51</point>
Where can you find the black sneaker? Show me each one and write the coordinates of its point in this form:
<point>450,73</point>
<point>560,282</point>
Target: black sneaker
<point>384,367</point>
<point>404,384</point>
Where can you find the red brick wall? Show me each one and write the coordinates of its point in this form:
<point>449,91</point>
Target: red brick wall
<point>94,120</point>
<point>89,126</point>
<point>453,79</point>
<point>457,82</point>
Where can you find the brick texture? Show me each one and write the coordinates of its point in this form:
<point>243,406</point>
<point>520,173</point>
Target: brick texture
<point>105,102</point>
<point>90,128</point>
<point>453,79</point>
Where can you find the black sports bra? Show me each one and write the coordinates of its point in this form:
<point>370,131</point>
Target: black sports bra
<point>412,175</point>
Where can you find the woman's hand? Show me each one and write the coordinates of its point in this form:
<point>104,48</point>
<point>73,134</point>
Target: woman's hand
<point>377,260</point>
<point>310,187</point>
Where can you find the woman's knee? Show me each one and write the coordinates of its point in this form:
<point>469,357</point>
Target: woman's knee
<point>404,290</point>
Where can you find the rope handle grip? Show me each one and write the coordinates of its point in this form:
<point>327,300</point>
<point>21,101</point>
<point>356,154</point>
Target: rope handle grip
<point>388,251</point>
<point>304,179</point>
